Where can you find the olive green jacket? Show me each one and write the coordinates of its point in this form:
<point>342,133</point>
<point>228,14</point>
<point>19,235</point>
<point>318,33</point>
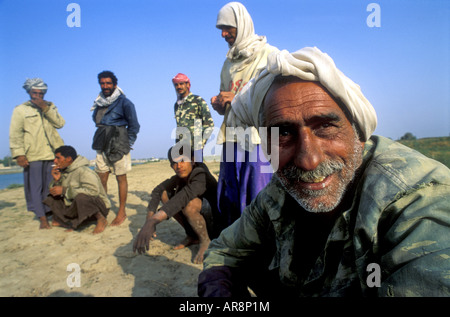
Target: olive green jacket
<point>399,222</point>
<point>33,132</point>
<point>78,178</point>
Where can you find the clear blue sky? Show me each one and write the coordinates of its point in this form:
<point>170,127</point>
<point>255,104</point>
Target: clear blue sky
<point>403,66</point>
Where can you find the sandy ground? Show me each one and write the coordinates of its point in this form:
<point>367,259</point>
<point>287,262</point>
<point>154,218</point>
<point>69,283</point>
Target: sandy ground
<point>35,262</point>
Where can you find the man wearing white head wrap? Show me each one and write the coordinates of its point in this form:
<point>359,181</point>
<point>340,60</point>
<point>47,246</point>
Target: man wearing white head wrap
<point>240,176</point>
<point>309,64</point>
<point>347,213</point>
<point>33,137</point>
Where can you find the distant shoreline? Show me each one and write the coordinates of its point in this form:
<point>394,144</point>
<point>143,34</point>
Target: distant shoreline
<point>12,170</point>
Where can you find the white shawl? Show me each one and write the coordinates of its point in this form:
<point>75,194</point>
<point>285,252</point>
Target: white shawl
<point>102,101</point>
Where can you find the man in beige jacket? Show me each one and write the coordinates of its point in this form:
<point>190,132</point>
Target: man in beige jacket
<point>33,139</point>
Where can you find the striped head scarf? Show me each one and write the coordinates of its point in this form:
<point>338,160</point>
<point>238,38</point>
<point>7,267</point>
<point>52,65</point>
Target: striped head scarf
<point>35,83</point>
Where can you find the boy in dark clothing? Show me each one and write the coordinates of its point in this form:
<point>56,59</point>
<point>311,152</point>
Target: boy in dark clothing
<point>193,191</point>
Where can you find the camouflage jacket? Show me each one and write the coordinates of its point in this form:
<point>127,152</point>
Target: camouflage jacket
<point>398,222</point>
<point>194,115</point>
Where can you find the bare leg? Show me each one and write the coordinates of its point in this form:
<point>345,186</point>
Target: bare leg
<point>198,224</point>
<point>123,191</point>
<point>188,240</point>
<point>104,180</point>
<point>182,221</point>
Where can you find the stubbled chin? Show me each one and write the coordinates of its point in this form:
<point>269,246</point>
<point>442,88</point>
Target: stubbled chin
<point>314,200</point>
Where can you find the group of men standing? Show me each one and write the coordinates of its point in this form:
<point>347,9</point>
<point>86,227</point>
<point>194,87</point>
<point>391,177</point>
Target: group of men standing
<point>117,125</point>
<point>54,174</point>
<point>339,202</point>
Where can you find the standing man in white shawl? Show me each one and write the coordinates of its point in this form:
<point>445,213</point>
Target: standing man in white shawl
<point>32,139</point>
<point>241,171</point>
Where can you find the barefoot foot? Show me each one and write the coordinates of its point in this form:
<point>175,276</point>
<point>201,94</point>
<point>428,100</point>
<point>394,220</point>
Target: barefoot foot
<point>44,223</point>
<point>201,251</point>
<point>101,225</point>
<point>185,243</point>
<point>118,220</point>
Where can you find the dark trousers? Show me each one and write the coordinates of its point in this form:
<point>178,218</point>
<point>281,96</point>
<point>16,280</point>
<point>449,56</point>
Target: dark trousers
<point>36,179</point>
<point>82,208</point>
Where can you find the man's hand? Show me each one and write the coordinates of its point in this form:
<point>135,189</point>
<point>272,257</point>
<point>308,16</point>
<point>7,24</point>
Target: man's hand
<point>220,102</point>
<point>41,103</point>
<point>22,161</point>
<point>226,97</point>
<point>56,173</point>
<point>56,191</point>
<point>142,242</point>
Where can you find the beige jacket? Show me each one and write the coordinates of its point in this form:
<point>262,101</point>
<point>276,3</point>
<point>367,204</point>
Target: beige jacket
<point>33,132</point>
<point>78,178</point>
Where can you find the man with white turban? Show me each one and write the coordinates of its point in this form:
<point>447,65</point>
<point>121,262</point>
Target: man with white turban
<point>33,137</point>
<point>347,213</point>
<point>242,173</point>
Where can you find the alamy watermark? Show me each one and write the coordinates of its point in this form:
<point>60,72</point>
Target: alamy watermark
<point>266,153</point>
<point>74,18</point>
<point>374,18</point>
<point>74,278</point>
<point>374,278</point>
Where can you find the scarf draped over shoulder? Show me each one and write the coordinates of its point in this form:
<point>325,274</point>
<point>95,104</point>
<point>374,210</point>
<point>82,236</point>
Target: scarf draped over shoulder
<point>102,101</point>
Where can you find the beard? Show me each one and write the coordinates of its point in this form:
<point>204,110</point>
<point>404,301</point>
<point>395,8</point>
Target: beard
<point>329,197</point>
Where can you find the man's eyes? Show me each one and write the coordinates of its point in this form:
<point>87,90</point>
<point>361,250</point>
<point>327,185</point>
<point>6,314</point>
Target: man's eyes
<point>322,129</point>
<point>285,131</point>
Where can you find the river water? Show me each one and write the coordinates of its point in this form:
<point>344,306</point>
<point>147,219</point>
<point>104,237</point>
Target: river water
<point>9,179</point>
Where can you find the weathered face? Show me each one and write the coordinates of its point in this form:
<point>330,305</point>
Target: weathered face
<point>62,162</point>
<point>183,166</point>
<point>229,33</point>
<point>182,89</point>
<point>319,150</point>
<point>107,86</point>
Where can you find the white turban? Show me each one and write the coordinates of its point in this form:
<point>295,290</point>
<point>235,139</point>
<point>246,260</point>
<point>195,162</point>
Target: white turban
<point>309,64</point>
<point>35,83</point>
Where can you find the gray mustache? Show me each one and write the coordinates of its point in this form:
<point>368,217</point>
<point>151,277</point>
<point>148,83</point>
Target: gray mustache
<point>323,170</point>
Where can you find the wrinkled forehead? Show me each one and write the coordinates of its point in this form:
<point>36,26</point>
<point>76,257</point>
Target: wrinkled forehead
<point>295,90</point>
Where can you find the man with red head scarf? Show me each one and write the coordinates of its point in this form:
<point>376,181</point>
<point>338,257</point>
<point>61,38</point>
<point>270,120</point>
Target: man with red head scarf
<point>192,116</point>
